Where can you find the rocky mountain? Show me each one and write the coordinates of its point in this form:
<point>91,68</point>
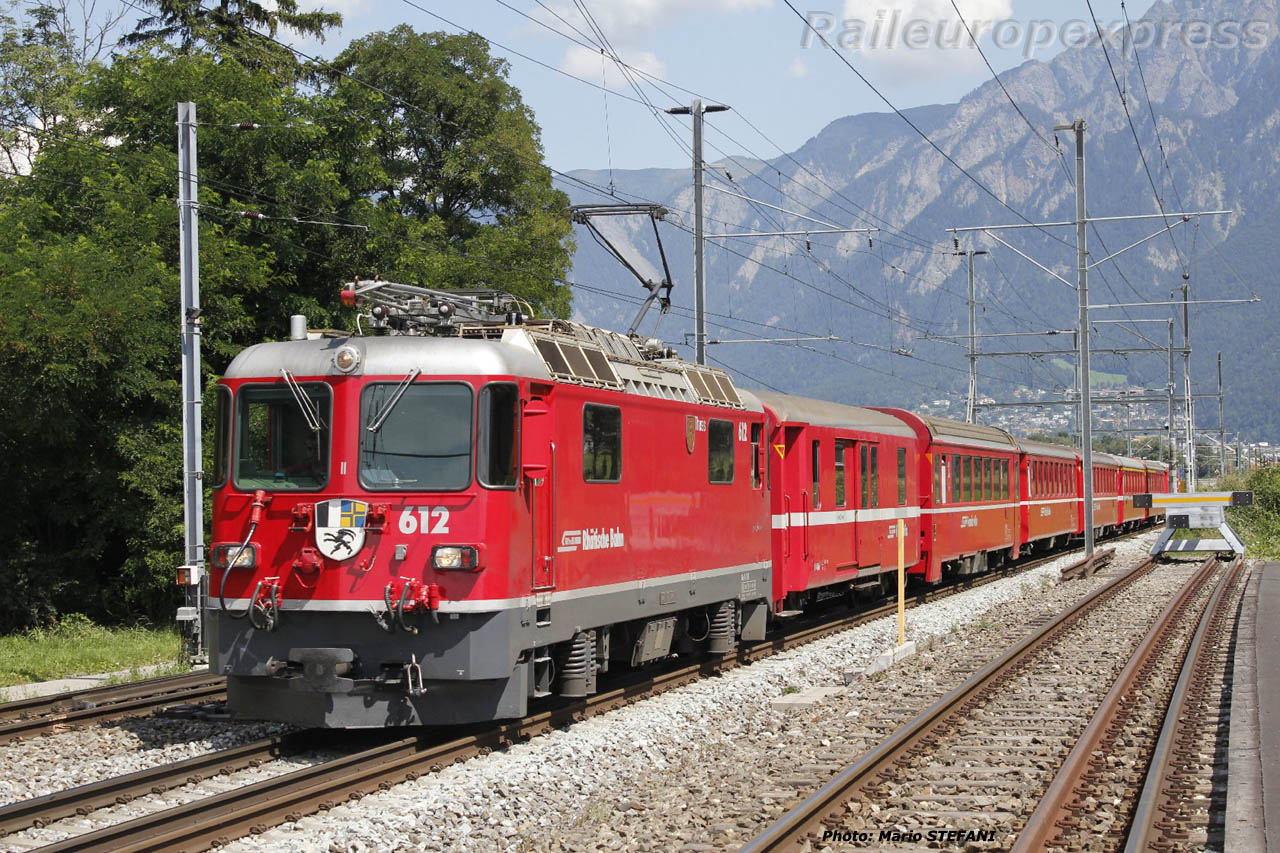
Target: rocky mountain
<point>894,293</point>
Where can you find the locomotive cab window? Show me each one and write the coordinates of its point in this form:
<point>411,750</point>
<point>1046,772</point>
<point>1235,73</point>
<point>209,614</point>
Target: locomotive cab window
<point>416,437</point>
<point>221,437</point>
<point>276,447</point>
<point>720,451</point>
<point>601,443</point>
<point>496,444</point>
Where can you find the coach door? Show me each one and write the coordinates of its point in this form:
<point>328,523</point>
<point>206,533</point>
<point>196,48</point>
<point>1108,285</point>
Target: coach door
<point>868,527</point>
<point>538,465</point>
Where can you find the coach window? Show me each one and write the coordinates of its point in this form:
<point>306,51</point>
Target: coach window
<point>968,478</point>
<point>902,476</point>
<point>840,451</point>
<point>398,452</point>
<point>817,469</point>
<point>720,452</point>
<point>987,484</point>
<point>282,441</point>
<point>221,435</point>
<point>601,443</point>
<point>496,448</point>
<point>957,476</point>
<point>937,479</point>
<point>875,476</point>
<point>863,476</point>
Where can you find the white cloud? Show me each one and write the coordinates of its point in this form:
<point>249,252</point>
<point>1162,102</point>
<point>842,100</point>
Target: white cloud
<point>346,8</point>
<point>590,65</point>
<point>797,69</point>
<point>625,20</point>
<point>914,39</point>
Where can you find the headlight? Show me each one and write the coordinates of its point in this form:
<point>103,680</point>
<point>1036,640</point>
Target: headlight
<point>248,559</point>
<point>455,557</point>
<point>346,359</point>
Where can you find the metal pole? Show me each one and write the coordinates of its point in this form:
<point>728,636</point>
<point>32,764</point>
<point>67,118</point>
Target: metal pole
<point>1222,427</point>
<point>192,391</point>
<point>973,346</point>
<point>1086,397</point>
<point>699,274</point>
<point>1173,442</point>
<point>1186,382</point>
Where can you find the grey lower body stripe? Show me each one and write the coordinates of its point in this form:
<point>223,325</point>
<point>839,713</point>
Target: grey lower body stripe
<point>491,605</point>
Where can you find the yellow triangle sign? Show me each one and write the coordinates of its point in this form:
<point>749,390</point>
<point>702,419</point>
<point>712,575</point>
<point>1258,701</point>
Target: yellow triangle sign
<point>782,450</point>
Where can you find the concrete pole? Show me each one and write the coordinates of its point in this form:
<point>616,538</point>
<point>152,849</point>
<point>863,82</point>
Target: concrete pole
<point>192,390</point>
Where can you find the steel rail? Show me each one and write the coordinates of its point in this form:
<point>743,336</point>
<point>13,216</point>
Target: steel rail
<point>1145,833</point>
<point>85,799</point>
<point>828,801</point>
<point>27,717</point>
<point>1054,811</point>
<point>259,806</point>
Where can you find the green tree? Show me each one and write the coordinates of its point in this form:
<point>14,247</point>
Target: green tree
<point>228,23</point>
<point>89,436</point>
<point>450,158</point>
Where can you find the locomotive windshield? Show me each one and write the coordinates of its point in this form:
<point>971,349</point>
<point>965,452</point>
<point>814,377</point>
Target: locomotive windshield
<point>423,442</point>
<point>276,446</point>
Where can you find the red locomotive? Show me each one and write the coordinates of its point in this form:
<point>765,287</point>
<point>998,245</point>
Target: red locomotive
<point>467,509</point>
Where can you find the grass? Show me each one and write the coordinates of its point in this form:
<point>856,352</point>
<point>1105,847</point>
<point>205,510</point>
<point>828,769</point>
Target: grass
<point>77,646</point>
<point>1258,525</point>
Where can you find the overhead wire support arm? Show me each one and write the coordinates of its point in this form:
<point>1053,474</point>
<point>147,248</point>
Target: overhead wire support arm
<point>792,233</point>
<point>821,222</point>
<point>1028,258</point>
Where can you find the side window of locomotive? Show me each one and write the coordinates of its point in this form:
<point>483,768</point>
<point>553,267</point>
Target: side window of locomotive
<point>902,476</point>
<point>601,443</point>
<point>221,435</point>
<point>419,440</point>
<point>496,445</point>
<point>840,485</point>
<point>756,431</point>
<point>875,476</point>
<point>720,451</point>
<point>276,447</point>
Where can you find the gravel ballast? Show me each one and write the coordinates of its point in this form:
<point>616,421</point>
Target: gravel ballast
<point>706,766</point>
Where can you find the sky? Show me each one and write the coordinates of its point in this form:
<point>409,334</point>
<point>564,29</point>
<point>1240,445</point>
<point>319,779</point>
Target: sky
<point>756,56</point>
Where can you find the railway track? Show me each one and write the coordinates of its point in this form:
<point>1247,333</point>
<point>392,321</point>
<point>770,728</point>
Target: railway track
<point>976,763</point>
<point>45,714</point>
<point>258,806</point>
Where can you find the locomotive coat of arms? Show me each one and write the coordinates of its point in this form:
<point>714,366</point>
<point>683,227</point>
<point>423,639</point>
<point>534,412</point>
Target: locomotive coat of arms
<point>340,527</point>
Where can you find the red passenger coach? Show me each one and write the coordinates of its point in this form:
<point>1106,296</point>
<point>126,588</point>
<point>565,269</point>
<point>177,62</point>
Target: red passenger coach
<point>841,478</point>
<point>1107,488</point>
<point>1050,509</point>
<point>968,495</point>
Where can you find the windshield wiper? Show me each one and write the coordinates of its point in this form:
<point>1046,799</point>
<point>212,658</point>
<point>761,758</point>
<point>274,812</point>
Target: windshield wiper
<point>385,412</point>
<point>309,413</point>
